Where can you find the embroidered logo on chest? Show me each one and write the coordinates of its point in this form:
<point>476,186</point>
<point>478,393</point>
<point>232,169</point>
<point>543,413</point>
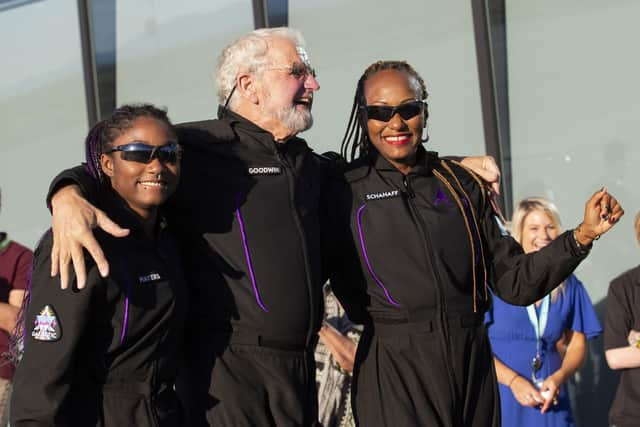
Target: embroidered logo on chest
<point>441,198</point>
<point>382,195</point>
<point>152,277</point>
<point>264,170</point>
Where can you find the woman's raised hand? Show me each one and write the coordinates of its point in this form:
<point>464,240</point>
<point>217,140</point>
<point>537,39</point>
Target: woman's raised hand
<point>602,211</point>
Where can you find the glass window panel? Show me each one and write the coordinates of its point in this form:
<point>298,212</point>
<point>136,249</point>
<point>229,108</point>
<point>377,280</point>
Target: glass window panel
<point>573,89</point>
<point>43,110</point>
<point>435,37</point>
<point>167,51</point>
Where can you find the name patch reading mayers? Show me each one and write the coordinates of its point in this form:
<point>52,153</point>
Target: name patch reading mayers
<point>149,278</point>
<point>382,195</point>
<point>264,170</point>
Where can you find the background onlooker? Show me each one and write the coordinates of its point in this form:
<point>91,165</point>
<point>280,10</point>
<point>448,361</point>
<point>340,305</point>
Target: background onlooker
<point>622,342</point>
<point>537,348</point>
<point>15,269</point>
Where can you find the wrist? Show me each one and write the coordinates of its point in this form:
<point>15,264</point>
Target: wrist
<point>513,378</point>
<point>583,236</point>
<point>64,192</point>
<point>558,377</point>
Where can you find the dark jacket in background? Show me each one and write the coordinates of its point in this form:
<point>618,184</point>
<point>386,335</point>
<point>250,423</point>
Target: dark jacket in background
<point>623,314</point>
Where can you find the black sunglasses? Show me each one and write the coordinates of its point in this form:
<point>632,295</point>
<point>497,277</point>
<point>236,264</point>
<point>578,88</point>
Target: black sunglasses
<point>144,153</point>
<point>384,113</point>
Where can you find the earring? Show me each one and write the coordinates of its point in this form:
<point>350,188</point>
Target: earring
<point>426,132</point>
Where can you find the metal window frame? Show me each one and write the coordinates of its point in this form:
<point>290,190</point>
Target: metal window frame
<point>99,78</point>
<point>489,24</point>
<point>270,13</point>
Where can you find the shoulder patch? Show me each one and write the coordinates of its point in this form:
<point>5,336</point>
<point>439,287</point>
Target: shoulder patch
<point>46,326</point>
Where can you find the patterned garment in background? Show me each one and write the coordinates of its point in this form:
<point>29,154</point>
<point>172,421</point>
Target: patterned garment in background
<point>334,384</point>
<point>5,396</point>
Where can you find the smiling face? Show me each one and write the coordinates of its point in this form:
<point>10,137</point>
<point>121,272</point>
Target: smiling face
<point>396,140</point>
<point>538,230</point>
<point>285,94</point>
<point>143,186</point>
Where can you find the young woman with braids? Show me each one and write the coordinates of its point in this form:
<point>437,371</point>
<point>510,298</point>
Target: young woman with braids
<point>107,356</point>
<point>429,244</point>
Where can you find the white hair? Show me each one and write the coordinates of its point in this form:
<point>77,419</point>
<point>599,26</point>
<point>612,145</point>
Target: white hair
<point>249,53</point>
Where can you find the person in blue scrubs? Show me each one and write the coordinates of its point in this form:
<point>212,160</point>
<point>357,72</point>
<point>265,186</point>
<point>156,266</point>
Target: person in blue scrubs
<point>538,347</point>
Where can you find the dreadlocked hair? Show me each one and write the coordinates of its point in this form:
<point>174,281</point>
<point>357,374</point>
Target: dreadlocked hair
<point>356,140</point>
<point>105,132</point>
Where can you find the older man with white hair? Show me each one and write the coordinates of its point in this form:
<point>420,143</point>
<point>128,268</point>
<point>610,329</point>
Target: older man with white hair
<point>248,211</point>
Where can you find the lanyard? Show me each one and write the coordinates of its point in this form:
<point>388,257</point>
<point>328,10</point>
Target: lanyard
<point>539,323</point>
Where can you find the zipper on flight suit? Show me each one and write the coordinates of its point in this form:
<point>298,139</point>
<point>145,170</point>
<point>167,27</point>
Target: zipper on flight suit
<point>441,300</point>
<point>291,175</point>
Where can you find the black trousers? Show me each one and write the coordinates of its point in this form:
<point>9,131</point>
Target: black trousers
<point>415,374</point>
<point>250,385</point>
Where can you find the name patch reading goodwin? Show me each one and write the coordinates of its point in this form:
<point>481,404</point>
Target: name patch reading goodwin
<point>382,195</point>
<point>264,170</point>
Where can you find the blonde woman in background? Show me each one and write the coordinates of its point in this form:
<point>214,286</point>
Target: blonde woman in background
<point>529,365</point>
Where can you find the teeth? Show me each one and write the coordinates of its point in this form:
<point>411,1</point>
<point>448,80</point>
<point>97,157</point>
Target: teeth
<point>396,138</point>
<point>153,183</point>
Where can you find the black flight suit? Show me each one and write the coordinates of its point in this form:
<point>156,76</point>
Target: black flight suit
<point>247,212</point>
<point>113,359</point>
<point>424,358</point>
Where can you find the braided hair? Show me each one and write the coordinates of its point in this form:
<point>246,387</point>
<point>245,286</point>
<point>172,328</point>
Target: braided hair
<point>106,131</point>
<point>356,138</point>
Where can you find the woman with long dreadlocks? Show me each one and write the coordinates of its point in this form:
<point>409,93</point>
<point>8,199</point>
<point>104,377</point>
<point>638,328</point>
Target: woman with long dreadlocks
<point>429,244</point>
<point>108,355</point>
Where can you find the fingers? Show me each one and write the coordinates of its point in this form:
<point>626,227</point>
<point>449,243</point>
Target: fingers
<point>603,204</point>
<point>486,168</point>
<point>64,270</point>
<point>495,187</point>
<point>77,257</point>
<point>550,390</point>
<point>105,223</point>
<point>595,200</point>
<point>615,210</point>
<point>548,402</point>
<point>525,393</point>
<point>94,249</point>
<point>491,173</point>
<point>60,259</point>
<point>54,258</point>
<point>602,212</point>
<point>531,399</point>
<point>72,223</point>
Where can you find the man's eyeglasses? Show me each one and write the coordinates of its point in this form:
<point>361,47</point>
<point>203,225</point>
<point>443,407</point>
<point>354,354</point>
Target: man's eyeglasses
<point>143,153</point>
<point>384,113</point>
<point>298,70</point>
